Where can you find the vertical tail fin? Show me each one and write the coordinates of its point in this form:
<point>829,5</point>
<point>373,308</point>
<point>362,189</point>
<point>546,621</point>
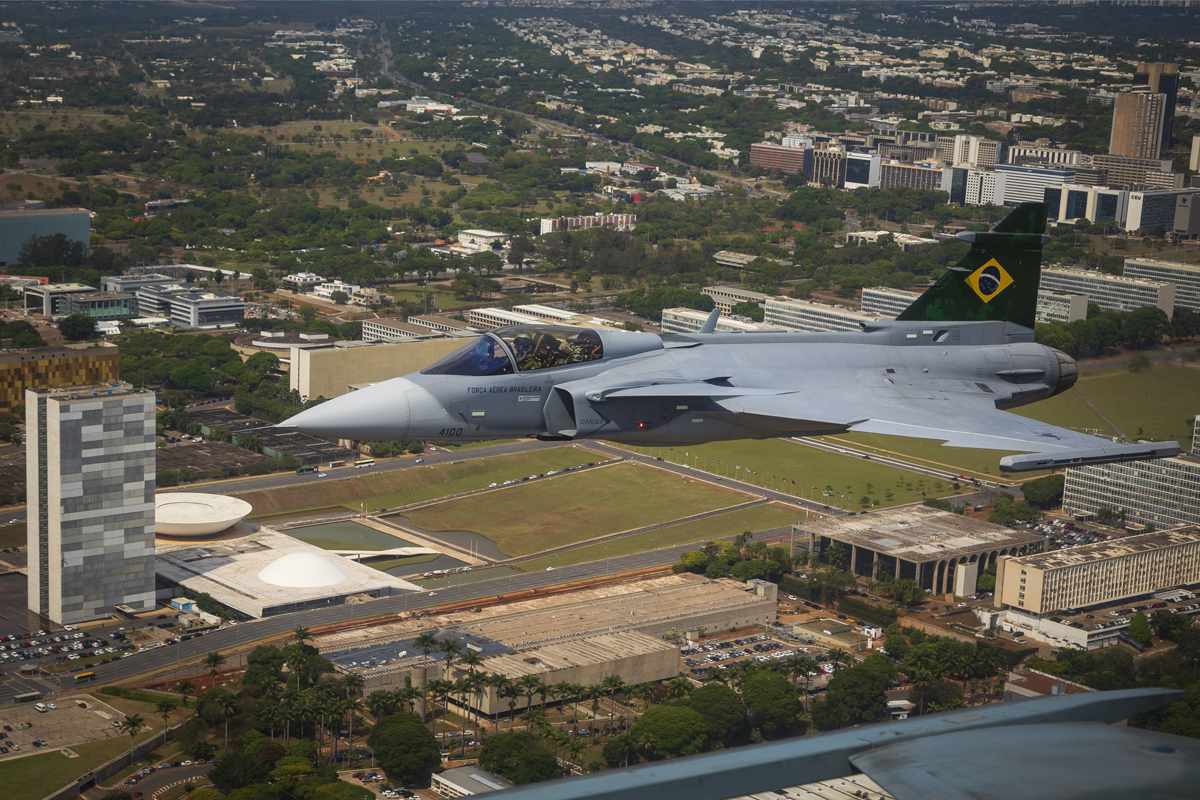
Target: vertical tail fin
<point>996,280</point>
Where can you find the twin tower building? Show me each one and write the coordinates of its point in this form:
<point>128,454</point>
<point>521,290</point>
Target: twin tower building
<point>90,477</point>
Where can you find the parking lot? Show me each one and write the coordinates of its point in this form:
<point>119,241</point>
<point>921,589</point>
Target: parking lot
<point>702,659</point>
<point>75,719</point>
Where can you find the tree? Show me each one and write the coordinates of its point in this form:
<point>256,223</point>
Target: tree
<point>405,749</point>
<point>855,695</point>
<point>771,703</point>
<point>213,661</point>
<point>339,297</point>
<point>669,731</point>
<point>1139,629</point>
<point>1044,492</point>
<point>132,724</point>
<point>164,708</point>
<point>749,309</point>
<point>723,710</point>
<point>77,327</point>
<point>519,757</point>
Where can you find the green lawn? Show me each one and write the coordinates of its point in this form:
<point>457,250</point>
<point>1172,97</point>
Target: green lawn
<point>720,526</point>
<point>790,467</point>
<point>394,488</point>
<point>443,300</point>
<point>388,564</point>
<point>344,536</point>
<point>531,517</point>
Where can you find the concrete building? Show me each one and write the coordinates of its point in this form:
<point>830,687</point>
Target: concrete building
<point>616,222</point>
<point>904,241</point>
<point>394,329</point>
<point>443,324</point>
<point>984,188</point>
<point>689,320</point>
<point>1125,172</point>
<point>302,281</point>
<point>1153,212</point>
<point>1056,307</point>
<point>1021,184</point>
<point>1187,217</point>
<point>101,305</point>
<point>131,282</point>
<point>1137,124</point>
<point>1070,202</point>
<point>332,371</point>
<point>918,543</point>
<point>862,170</point>
<point>1162,492</point>
<point>485,319</point>
<point>1194,154</point>
<point>726,297</point>
<point>1047,156</point>
<point>829,167</point>
<point>267,572</point>
<point>1103,572</point>
<point>18,227</point>
<point>922,176</point>
<point>805,315</point>
<point>328,289</point>
<point>1184,277</point>
<point>1161,79</point>
<point>882,302</point>
<point>89,466</point>
<point>190,308</point>
<point>975,151</point>
<point>466,782</point>
<point>1113,292</point>
<point>790,160</point>
<point>50,299</point>
<point>54,368</point>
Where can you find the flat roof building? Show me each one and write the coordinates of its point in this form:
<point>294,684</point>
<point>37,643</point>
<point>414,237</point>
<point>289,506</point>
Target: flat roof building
<point>1184,277</point>
<point>1103,572</point>
<point>689,320</point>
<point>18,227</point>
<point>102,305</point>
<point>443,324</point>
<point>54,367</point>
<point>805,315</point>
<point>883,302</point>
<point>1112,292</point>
<point>50,299</point>
<point>466,782</point>
<point>190,308</point>
<point>726,297</point>
<point>1137,124</point>
<point>394,329</point>
<point>1161,492</point>
<point>1058,307</point>
<point>489,318</point>
<point>131,282</point>
<point>917,542</point>
<point>1153,212</point>
<point>779,158</point>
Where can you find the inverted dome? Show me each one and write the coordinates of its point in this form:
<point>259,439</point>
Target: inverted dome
<point>197,513</point>
<point>302,571</point>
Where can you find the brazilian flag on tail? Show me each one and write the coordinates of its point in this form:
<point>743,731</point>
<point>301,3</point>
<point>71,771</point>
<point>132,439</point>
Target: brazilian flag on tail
<point>996,280</point>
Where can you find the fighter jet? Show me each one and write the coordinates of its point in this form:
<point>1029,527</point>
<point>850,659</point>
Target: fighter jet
<point>947,369</point>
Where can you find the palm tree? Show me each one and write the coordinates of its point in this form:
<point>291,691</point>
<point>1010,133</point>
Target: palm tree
<point>612,685</point>
<point>838,659</point>
<point>302,635</point>
<point>440,691</point>
<point>382,703</point>
<point>185,688</point>
<point>164,708</point>
<point>228,706</point>
<point>132,724</point>
<point>352,684</point>
<point>426,641</point>
<point>529,686</point>
<point>507,691</point>
<point>213,661</point>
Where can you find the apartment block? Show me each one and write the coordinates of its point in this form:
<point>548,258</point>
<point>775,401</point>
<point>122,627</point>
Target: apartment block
<point>1137,124</point>
<point>90,472</point>
<point>1103,572</point>
<point>1184,277</point>
<point>1113,292</point>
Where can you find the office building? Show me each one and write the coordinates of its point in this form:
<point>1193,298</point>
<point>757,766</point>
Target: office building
<point>50,299</point>
<point>1187,217</point>
<point>1070,202</point>
<point>18,227</point>
<point>477,240</point>
<point>53,368</point>
<point>1137,124</point>
<point>726,297</point>
<point>907,153</point>
<point>1038,155</point>
<point>974,151</point>
<point>1161,79</point>
<point>689,320</point>
<point>862,170</point>
<point>805,315</point>
<point>918,543</point>
<point>1103,572</point>
<point>922,176</point>
<point>829,167</point>
<point>1112,292</point>
<point>443,324</point>
<point>102,305</point>
<point>1124,172</point>
<point>780,158</point>
<point>393,329</point>
<point>904,241</point>
<point>1056,307</point>
<point>190,308</point>
<point>1022,184</point>
<point>327,290</point>
<point>1162,492</point>
<point>1194,154</point>
<point>984,187</point>
<point>466,782</point>
<point>89,466</point>
<point>1184,277</point>
<point>616,222</point>
<point>485,319</point>
<point>885,303</point>
<point>132,281</point>
<point>302,281</point>
<point>1153,212</point>
<point>333,370</point>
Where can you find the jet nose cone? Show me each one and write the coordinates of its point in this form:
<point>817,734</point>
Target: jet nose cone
<point>377,412</point>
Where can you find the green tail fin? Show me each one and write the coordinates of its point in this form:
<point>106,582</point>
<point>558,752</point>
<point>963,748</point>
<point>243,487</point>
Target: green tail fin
<point>996,280</point>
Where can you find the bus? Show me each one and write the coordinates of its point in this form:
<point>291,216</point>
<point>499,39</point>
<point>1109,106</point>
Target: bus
<point>27,697</point>
<point>303,470</point>
<point>364,462</point>
<point>84,677</point>
<point>335,464</point>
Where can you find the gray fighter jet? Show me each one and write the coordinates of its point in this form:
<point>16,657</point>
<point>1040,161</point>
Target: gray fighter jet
<point>945,370</point>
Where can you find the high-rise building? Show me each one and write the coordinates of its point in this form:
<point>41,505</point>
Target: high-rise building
<point>1112,292</point>
<point>1162,492</point>
<point>50,367</point>
<point>779,158</point>
<point>1023,184</point>
<point>1153,212</point>
<point>1162,79</point>
<point>924,176</point>
<point>90,473</point>
<point>1123,172</point>
<point>862,170</point>
<point>975,151</point>
<point>1137,124</point>
<point>829,167</point>
<point>1185,278</point>
<point>1194,155</point>
<point>985,187</point>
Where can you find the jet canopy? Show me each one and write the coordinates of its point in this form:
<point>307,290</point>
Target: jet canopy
<point>524,349</point>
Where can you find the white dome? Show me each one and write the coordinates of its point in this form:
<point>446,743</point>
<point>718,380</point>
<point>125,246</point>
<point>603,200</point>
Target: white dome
<point>196,513</point>
<point>303,571</point>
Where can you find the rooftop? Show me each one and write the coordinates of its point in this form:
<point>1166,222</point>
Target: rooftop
<point>1095,274</point>
<point>593,650</point>
<point>1175,266</point>
<point>920,533</point>
<point>34,212</point>
<point>1113,548</point>
<point>474,779</point>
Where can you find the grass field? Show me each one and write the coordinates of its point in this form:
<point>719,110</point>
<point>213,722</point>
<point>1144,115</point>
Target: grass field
<point>793,468</point>
<point>571,508</point>
<point>720,526</point>
<point>388,564</point>
<point>394,488</point>
<point>345,536</point>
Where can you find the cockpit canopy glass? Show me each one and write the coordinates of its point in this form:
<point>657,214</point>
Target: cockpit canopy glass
<point>545,346</point>
<point>484,356</point>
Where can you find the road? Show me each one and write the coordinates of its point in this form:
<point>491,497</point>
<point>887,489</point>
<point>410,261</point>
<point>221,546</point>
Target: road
<point>155,784</point>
